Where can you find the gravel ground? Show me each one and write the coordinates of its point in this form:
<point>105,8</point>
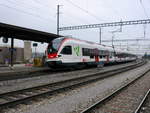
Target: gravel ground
<point>77,99</point>
<point>129,99</point>
<point>17,84</point>
<point>146,107</point>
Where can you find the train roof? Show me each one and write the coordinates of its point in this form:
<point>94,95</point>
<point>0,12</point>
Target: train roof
<point>123,51</point>
<point>89,43</point>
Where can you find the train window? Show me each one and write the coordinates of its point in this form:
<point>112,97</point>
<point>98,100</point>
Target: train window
<point>101,56</point>
<point>67,50</point>
<point>102,52</point>
<point>91,56</point>
<point>54,45</point>
<point>91,53</point>
<point>112,54</point>
<point>85,52</point>
<point>99,52</point>
<point>104,56</point>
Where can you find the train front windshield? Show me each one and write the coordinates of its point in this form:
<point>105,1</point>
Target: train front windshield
<point>54,45</point>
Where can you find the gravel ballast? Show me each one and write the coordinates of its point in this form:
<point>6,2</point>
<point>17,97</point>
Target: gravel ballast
<point>17,84</point>
<point>79,98</point>
<point>127,100</point>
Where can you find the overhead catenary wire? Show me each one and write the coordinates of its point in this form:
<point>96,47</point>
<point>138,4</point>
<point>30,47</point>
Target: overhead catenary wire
<point>84,10</point>
<point>75,18</point>
<point>33,8</point>
<point>47,6</point>
<point>71,18</point>
<point>21,4</point>
<point>44,5</point>
<point>141,2</point>
<point>28,6</point>
<point>25,12</point>
<point>114,10</point>
<point>31,5</point>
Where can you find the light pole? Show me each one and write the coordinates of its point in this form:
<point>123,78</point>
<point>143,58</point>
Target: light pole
<point>58,6</point>
<point>100,35</point>
<point>12,52</point>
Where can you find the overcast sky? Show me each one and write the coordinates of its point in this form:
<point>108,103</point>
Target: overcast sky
<point>41,15</point>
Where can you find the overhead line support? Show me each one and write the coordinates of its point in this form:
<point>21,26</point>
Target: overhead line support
<point>58,6</point>
<point>122,23</point>
<point>123,40</point>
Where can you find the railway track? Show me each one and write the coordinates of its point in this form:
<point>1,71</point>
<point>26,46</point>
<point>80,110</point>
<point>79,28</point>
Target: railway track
<point>99,106</point>
<point>143,106</point>
<point>20,96</point>
<point>36,73</point>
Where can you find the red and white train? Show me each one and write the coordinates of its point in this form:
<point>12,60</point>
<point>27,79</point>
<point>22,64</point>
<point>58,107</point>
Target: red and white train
<point>72,52</point>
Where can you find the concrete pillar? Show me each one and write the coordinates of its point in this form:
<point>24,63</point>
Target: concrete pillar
<point>27,50</point>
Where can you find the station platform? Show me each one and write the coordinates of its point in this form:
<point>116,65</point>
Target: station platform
<point>19,69</point>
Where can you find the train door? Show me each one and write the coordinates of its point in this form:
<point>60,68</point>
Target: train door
<point>107,58</point>
<point>96,52</point>
<point>96,58</point>
<point>66,54</point>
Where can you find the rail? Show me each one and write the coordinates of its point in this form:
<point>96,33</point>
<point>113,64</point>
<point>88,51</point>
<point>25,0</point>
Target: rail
<point>25,95</point>
<point>111,95</point>
<point>142,102</point>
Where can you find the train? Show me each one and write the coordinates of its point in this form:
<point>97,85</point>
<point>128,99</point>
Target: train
<point>75,53</point>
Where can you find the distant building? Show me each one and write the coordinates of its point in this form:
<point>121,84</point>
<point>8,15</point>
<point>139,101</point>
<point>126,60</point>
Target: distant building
<point>20,54</point>
<point>5,55</point>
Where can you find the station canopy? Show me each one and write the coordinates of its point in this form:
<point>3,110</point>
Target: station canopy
<point>11,31</point>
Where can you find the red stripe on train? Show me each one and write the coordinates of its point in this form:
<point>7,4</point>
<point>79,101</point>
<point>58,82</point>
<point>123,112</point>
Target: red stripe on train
<point>52,55</point>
